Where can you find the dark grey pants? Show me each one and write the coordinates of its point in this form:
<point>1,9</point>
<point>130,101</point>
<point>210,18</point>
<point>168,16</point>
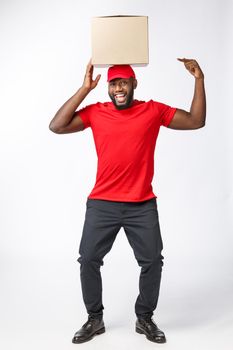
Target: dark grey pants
<point>103,220</point>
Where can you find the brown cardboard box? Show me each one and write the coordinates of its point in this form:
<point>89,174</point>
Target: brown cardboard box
<point>120,40</point>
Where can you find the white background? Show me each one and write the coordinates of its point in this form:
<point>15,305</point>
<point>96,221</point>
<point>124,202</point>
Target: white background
<point>45,178</point>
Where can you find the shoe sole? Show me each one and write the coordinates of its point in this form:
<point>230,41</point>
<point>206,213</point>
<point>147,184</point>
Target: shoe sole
<point>140,331</point>
<point>100,331</point>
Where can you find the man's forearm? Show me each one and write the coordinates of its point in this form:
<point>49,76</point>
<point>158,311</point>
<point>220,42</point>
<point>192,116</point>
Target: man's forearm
<point>198,106</point>
<point>65,114</point>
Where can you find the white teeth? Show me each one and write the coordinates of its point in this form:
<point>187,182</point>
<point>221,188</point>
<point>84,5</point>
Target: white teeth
<point>120,98</point>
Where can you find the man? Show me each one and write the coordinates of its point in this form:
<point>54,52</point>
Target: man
<point>125,132</point>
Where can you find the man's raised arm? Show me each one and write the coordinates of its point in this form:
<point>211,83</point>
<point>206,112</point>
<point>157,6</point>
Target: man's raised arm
<point>65,121</point>
<point>195,118</point>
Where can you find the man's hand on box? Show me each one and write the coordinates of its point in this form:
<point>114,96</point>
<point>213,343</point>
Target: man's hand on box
<point>88,82</point>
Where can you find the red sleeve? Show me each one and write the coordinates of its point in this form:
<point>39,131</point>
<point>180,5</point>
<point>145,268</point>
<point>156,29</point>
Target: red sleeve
<point>166,113</point>
<point>85,115</point>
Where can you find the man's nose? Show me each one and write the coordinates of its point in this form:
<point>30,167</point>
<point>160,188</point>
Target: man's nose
<point>118,86</point>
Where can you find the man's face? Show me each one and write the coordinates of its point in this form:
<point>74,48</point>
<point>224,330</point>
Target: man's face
<point>121,92</point>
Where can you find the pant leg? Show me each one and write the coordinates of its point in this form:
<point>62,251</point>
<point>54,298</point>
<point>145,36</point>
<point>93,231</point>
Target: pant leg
<point>141,225</point>
<point>101,225</point>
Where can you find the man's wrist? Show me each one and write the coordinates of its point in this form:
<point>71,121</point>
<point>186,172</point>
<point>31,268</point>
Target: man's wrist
<point>200,79</point>
<point>85,89</point>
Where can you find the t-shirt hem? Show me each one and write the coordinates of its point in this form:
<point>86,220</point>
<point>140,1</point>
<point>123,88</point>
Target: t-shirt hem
<point>84,121</point>
<point>169,119</point>
<point>121,199</point>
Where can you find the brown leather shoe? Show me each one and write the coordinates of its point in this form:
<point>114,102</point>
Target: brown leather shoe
<point>92,327</point>
<point>150,329</point>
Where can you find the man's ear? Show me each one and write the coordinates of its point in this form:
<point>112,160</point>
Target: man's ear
<point>135,83</point>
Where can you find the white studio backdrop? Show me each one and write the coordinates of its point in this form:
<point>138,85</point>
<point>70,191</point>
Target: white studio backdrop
<point>45,178</point>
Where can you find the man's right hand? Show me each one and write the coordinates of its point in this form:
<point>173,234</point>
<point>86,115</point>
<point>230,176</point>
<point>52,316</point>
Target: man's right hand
<point>88,82</point>
<point>66,120</point>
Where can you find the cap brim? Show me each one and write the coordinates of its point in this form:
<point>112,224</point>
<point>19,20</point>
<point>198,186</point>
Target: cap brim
<point>120,76</point>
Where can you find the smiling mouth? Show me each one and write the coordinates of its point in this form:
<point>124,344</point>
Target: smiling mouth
<point>120,98</point>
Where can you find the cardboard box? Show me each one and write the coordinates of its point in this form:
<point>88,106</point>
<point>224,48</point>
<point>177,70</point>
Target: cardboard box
<point>120,40</point>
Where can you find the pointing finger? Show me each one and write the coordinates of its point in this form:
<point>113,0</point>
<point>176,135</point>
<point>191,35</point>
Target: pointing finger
<point>185,60</point>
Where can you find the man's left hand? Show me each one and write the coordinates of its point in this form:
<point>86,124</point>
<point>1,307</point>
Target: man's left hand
<point>193,67</point>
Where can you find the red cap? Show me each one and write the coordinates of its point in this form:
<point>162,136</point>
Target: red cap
<point>120,71</point>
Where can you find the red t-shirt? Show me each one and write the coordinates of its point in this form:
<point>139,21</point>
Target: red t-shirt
<point>125,144</point>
